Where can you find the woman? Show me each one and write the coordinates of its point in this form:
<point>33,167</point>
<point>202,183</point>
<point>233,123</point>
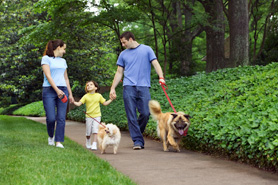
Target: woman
<point>55,86</point>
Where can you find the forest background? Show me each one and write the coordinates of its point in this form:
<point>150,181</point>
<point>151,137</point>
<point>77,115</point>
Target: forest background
<point>187,36</point>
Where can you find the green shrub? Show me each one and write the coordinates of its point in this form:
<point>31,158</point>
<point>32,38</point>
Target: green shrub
<point>9,110</point>
<point>32,109</point>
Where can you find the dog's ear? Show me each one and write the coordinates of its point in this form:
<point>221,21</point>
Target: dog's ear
<point>187,116</point>
<point>174,115</point>
<point>114,131</point>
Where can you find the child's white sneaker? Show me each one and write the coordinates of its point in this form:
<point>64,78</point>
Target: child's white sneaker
<point>88,143</point>
<point>51,141</point>
<point>94,146</point>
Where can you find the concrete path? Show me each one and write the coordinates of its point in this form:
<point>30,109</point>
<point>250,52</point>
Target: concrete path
<point>152,166</point>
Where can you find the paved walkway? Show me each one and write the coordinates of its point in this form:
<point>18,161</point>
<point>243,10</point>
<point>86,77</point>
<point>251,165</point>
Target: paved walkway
<point>152,166</point>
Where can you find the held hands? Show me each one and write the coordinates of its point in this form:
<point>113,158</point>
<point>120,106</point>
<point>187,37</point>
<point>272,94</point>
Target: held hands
<point>71,99</point>
<point>162,81</point>
<point>113,95</point>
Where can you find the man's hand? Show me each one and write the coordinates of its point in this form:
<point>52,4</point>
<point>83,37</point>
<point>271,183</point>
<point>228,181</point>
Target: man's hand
<point>162,81</point>
<point>113,95</point>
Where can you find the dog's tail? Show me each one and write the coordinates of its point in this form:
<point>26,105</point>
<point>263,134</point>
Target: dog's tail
<point>155,108</point>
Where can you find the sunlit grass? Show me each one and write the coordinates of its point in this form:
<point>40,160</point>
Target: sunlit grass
<point>25,158</point>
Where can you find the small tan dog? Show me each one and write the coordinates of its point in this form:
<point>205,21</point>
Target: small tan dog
<point>108,136</point>
<point>170,126</point>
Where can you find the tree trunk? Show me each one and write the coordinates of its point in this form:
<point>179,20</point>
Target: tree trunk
<point>215,33</point>
<point>186,41</point>
<point>181,40</point>
<point>154,29</point>
<point>239,31</point>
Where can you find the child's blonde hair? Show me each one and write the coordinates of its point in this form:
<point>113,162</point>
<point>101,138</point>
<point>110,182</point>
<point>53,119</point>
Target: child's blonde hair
<point>95,83</point>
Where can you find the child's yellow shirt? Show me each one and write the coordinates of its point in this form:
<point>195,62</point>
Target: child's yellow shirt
<point>92,102</point>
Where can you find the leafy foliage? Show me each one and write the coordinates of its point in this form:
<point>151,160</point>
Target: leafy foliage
<point>28,27</point>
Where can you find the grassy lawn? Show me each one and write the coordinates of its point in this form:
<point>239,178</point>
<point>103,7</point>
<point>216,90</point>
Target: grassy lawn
<point>25,158</point>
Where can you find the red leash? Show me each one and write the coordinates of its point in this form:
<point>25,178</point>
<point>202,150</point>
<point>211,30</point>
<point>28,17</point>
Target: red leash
<point>162,85</point>
<point>95,119</point>
<point>164,89</point>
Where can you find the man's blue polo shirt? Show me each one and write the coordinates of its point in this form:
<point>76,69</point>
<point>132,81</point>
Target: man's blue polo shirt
<point>137,65</point>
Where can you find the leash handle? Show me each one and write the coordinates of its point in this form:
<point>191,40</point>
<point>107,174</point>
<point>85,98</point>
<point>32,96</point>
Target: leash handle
<point>163,88</point>
<point>95,119</point>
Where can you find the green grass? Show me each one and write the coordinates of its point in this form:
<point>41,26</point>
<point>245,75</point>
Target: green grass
<point>25,158</point>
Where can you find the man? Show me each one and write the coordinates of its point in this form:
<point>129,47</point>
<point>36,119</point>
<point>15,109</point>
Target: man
<point>135,63</point>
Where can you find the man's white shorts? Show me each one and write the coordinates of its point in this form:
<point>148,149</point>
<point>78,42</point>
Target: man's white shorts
<point>92,125</point>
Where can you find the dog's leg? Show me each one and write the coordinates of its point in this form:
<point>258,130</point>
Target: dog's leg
<point>100,144</point>
<point>115,148</point>
<point>103,148</point>
<point>164,140</point>
<point>178,142</point>
<point>173,142</point>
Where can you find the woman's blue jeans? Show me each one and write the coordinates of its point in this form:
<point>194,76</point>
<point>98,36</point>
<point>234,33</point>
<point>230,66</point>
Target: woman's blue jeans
<point>137,98</point>
<point>55,110</point>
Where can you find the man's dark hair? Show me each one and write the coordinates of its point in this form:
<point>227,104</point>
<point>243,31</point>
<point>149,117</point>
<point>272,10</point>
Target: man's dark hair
<point>127,35</point>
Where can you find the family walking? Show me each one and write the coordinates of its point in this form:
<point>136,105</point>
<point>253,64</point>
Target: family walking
<point>134,66</point>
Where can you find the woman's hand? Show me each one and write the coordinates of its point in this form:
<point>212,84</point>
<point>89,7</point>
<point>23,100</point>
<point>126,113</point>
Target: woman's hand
<point>60,93</point>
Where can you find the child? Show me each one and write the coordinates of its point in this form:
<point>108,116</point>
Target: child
<point>92,100</point>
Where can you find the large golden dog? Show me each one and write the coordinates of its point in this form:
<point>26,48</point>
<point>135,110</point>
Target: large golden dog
<point>170,126</point>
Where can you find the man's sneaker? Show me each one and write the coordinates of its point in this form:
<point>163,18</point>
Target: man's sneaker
<point>94,146</point>
<point>51,141</point>
<point>59,145</point>
<point>137,147</point>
